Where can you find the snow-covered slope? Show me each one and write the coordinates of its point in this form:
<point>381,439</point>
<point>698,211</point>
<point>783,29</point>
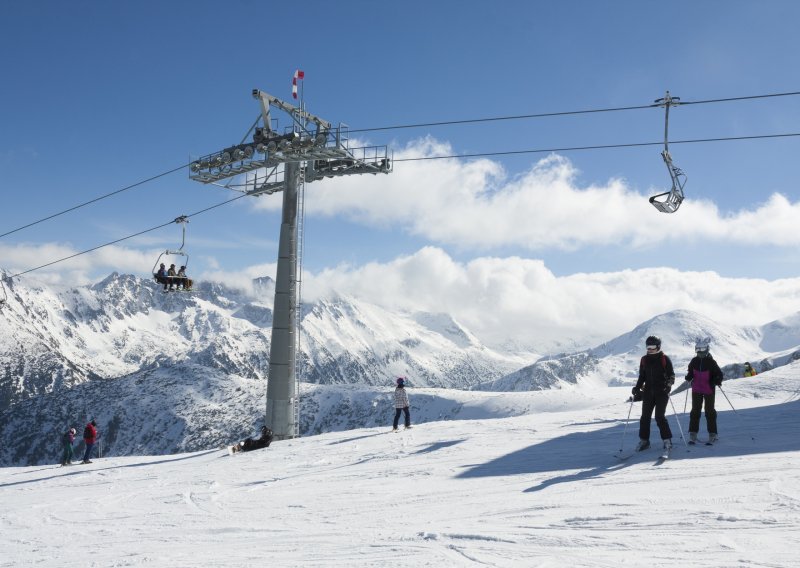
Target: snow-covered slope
<point>521,479</point>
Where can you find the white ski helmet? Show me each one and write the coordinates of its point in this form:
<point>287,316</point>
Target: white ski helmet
<point>701,345</point>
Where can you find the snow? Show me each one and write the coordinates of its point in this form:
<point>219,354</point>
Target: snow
<point>520,479</point>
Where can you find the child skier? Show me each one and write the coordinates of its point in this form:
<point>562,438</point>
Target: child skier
<point>401,404</point>
<point>68,439</point>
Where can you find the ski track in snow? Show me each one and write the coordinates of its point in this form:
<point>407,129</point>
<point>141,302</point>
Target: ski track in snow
<point>543,489</point>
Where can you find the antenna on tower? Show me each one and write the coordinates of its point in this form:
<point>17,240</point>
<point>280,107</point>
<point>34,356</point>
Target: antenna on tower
<point>674,197</point>
<point>309,149</point>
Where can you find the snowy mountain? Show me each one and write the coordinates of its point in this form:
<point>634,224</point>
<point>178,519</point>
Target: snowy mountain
<point>166,373</point>
<point>52,340</point>
<point>55,340</point>
<point>616,362</point>
<point>349,341</point>
<point>148,363</point>
<point>511,480</point>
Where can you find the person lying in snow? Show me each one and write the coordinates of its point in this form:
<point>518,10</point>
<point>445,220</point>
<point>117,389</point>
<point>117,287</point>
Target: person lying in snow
<point>250,444</point>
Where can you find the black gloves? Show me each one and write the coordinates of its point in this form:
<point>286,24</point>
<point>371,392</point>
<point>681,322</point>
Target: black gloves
<point>668,385</point>
<point>635,391</point>
<point>718,382</point>
<point>689,378</point>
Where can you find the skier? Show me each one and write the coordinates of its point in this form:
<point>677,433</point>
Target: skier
<point>749,371</point>
<point>250,444</point>
<point>89,438</point>
<point>704,374</point>
<point>401,404</point>
<point>69,439</point>
<point>656,378</point>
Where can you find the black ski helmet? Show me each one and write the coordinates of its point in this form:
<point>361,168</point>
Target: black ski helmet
<point>654,341</point>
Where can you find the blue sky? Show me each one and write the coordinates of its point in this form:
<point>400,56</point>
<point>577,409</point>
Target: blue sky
<point>101,95</point>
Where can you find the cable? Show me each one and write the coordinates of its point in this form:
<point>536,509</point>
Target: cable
<point>599,147</point>
<point>125,238</point>
<point>496,118</point>
<point>442,123</point>
<point>567,113</point>
<point>470,121</point>
<point>793,93</point>
<point>96,199</point>
<point>511,152</point>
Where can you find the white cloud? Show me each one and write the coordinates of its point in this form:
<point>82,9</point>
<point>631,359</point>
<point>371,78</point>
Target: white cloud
<point>473,203</point>
<point>499,299</point>
<point>82,269</point>
<point>516,298</point>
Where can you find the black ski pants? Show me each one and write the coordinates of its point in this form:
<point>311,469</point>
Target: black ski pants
<point>711,413</point>
<point>658,402</point>
<point>405,411</point>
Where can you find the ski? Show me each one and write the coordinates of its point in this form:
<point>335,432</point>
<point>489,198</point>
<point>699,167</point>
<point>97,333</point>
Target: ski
<point>664,455</point>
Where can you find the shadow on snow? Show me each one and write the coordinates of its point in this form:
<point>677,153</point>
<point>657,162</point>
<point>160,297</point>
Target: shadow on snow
<point>592,454</point>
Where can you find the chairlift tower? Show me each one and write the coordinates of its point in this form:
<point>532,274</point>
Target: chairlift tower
<point>308,150</point>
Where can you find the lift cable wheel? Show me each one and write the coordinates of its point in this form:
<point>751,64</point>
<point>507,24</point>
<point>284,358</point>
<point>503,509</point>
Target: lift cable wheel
<point>669,201</point>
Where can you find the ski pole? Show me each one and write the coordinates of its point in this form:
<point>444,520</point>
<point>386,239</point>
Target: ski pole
<point>732,408</point>
<point>726,398</point>
<point>686,400</point>
<point>675,412</point>
<point>625,430</point>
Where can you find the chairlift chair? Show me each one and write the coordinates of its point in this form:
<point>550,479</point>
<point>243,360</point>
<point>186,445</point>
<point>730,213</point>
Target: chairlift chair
<point>171,280</point>
<point>669,201</point>
<point>674,197</point>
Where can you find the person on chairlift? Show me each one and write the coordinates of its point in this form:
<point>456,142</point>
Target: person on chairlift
<point>161,276</point>
<point>171,274</point>
<point>184,280</point>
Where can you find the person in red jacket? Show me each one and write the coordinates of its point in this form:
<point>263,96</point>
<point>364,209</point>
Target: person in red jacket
<point>89,438</point>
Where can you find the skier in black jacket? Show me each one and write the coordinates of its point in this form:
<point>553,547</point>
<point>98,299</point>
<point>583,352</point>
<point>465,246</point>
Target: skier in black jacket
<point>656,378</point>
<point>704,374</point>
<point>255,444</point>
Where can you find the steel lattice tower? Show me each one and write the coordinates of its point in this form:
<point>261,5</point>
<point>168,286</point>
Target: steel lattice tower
<point>309,150</point>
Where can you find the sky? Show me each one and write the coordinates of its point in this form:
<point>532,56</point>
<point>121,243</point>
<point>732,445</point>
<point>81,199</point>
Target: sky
<point>520,479</point>
<point>101,97</point>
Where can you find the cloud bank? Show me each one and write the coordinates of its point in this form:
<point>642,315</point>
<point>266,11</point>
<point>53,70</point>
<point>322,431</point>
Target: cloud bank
<point>474,204</point>
<point>520,300</point>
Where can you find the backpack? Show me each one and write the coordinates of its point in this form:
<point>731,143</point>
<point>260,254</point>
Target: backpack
<point>663,364</point>
<point>87,432</point>
<point>663,361</point>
